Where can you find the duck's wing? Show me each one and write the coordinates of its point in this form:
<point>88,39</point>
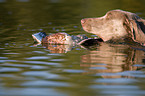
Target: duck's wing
<point>58,38</point>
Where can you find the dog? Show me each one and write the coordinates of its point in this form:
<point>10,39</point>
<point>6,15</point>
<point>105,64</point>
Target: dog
<point>117,26</point>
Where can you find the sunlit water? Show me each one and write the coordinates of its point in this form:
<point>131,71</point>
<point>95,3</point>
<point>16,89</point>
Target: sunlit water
<point>63,70</point>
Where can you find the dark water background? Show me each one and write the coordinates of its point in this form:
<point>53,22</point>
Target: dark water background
<point>27,70</point>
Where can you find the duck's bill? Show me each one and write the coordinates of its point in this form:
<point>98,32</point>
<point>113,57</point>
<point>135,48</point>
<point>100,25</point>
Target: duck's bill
<point>38,36</point>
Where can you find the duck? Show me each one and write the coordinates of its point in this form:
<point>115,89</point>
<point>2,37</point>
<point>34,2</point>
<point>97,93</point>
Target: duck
<point>64,38</point>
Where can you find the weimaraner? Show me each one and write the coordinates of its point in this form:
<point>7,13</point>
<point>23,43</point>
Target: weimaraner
<point>117,25</point>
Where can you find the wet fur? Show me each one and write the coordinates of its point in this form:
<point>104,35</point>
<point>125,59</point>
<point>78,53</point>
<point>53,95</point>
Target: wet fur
<point>117,25</point>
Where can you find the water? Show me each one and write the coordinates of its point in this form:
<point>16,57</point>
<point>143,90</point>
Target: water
<point>62,70</point>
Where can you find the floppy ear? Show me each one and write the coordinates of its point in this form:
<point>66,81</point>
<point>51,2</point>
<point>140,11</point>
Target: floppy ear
<point>138,31</point>
<point>135,29</point>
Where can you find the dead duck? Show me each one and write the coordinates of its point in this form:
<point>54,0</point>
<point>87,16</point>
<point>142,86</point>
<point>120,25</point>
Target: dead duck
<point>64,38</point>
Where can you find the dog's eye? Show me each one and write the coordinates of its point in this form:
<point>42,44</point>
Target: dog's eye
<point>109,15</point>
<point>89,20</point>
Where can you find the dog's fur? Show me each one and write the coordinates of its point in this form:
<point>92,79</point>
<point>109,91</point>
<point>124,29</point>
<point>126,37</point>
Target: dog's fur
<point>117,25</point>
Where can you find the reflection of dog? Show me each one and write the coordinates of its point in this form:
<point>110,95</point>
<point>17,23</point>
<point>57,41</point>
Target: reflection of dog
<point>117,25</point>
<point>111,58</point>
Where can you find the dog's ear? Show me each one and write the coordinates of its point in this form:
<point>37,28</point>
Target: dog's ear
<point>135,29</point>
<point>138,31</point>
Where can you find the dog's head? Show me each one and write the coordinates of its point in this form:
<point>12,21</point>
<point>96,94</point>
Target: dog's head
<point>116,25</point>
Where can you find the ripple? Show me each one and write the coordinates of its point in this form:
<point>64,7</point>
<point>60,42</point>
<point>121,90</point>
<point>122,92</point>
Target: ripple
<point>43,83</point>
<point>40,52</point>
<point>139,74</point>
<point>139,65</point>
<point>43,74</point>
<point>16,65</point>
<point>55,54</point>
<point>11,53</point>
<point>116,80</point>
<point>36,73</point>
<point>4,69</point>
<point>6,75</point>
<point>2,61</point>
<point>38,57</point>
<point>100,68</point>
<point>3,57</point>
<point>23,0</point>
<point>107,74</point>
<point>39,67</point>
<point>42,62</point>
<point>119,90</point>
<point>126,92</point>
<point>114,86</point>
<point>73,71</point>
<point>57,60</point>
<point>30,92</point>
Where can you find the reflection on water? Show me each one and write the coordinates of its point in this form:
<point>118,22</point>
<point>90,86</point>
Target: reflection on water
<point>62,70</point>
<point>117,58</point>
<point>58,48</point>
<point>109,69</point>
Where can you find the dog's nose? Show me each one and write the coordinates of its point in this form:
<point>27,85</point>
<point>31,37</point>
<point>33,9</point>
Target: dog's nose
<point>83,21</point>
